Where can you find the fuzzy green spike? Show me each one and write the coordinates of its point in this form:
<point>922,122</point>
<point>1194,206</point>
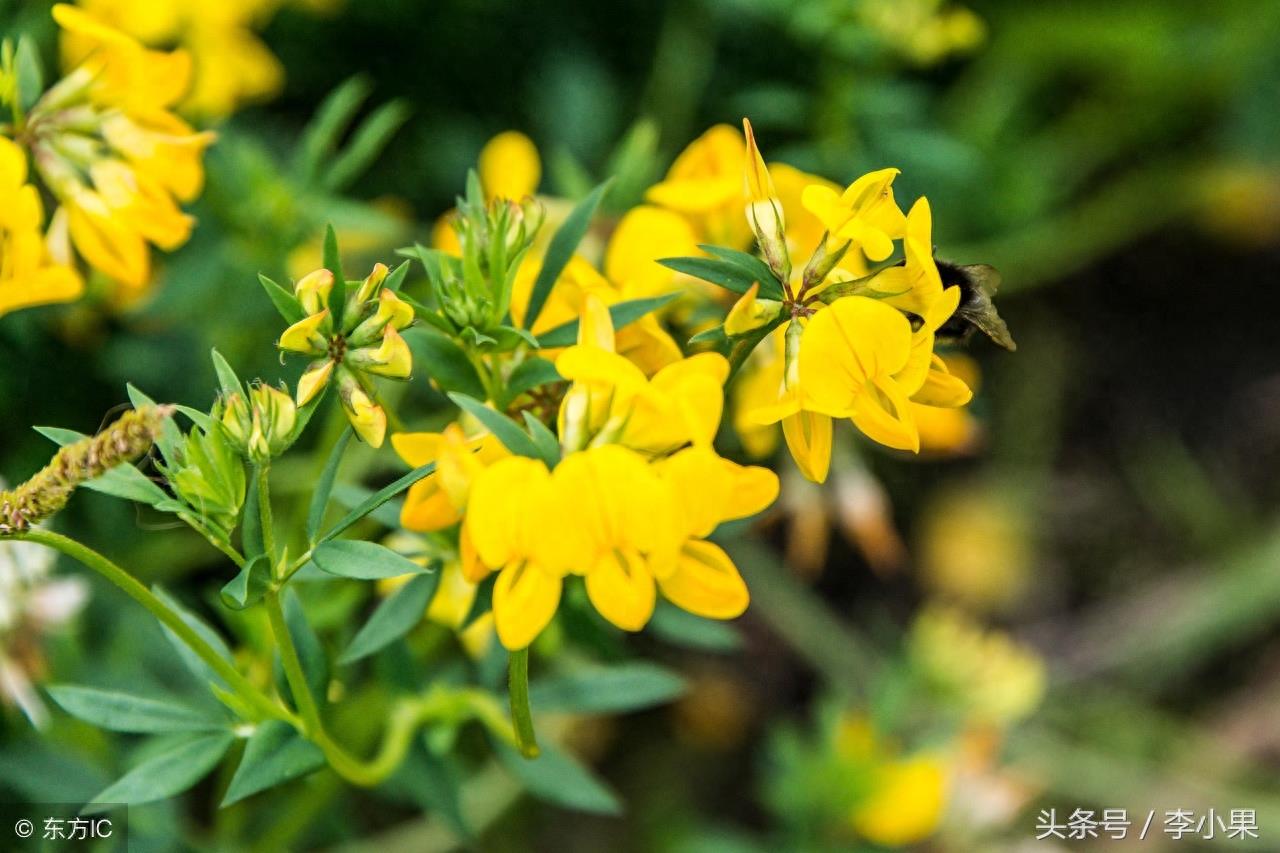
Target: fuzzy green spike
<point>49,490</point>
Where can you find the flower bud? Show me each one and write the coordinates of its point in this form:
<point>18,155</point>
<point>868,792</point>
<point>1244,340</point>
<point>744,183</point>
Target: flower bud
<point>750,313</point>
<point>313,290</point>
<point>822,262</point>
<point>764,209</point>
<point>366,417</point>
<point>234,413</point>
<point>392,359</point>
<point>307,335</point>
<point>392,311</point>
<point>314,380</point>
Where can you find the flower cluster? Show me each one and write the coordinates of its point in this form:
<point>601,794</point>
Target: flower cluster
<point>105,145</point>
<point>628,506</point>
<point>353,334</point>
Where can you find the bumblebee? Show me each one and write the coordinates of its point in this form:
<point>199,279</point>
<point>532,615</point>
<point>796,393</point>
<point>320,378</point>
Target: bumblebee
<point>978,284</point>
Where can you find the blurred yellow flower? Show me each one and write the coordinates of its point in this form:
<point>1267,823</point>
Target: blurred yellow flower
<point>923,30</point>
<point>106,147</point>
<point>509,166</point>
<point>643,236</point>
<point>705,185</point>
<point>232,66</point>
<point>992,679</point>
<point>33,271</point>
<point>906,803</point>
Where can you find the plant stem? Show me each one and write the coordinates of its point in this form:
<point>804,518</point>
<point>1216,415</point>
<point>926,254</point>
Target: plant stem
<point>167,616</point>
<point>265,517</point>
<point>230,553</point>
<point>521,717</point>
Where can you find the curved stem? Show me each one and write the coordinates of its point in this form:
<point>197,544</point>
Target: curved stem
<point>521,716</point>
<point>166,614</point>
<point>227,551</point>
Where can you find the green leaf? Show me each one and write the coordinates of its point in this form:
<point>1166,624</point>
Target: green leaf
<point>286,303</point>
<point>503,428</point>
<point>333,263</point>
<point>623,314</point>
<point>683,628</point>
<point>122,481</point>
<point>558,778</point>
<point>249,585</point>
<point>395,279</point>
<point>544,440</point>
<point>714,335</point>
<point>377,499</point>
<point>351,558</point>
<point>349,495</point>
<point>167,773</point>
<point>368,141</point>
<point>444,361</point>
<point>315,664</point>
<point>122,712</point>
<point>29,71</point>
<point>529,374</point>
<point>714,270</point>
<point>274,755</point>
<point>170,436</point>
<point>751,266</point>
<point>561,250</point>
<point>320,139</point>
<point>324,486</point>
<point>226,376</point>
<point>201,670</point>
<point>608,690</point>
<point>434,782</point>
<point>393,618</point>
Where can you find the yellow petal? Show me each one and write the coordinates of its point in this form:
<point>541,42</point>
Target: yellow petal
<point>525,599</point>
<point>884,415</point>
<point>905,805</point>
<point>313,380</point>
<point>595,326</point>
<point>427,508</point>
<point>622,589</point>
<point>706,583</point>
<point>808,436</point>
<point>758,183</point>
<point>304,336</point>
<point>845,345</point>
<point>942,388</point>
<point>509,166</point>
<point>506,511</point>
<point>645,234</point>
<point>417,448</point>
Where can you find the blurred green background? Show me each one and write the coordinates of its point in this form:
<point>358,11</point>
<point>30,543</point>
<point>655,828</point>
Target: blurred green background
<point>1118,162</point>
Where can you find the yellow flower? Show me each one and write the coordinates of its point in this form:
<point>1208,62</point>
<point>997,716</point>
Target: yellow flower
<point>757,386</point>
<point>438,502</point>
<point>709,491</point>
<point>612,402</point>
<point>705,185</point>
<point>519,530</point>
<point>106,147</point>
<point>906,804</point>
<point>29,273</point>
<point>509,166</point>
<point>921,30</point>
<point>644,235</point>
<point>864,213</point>
<point>804,230</point>
<point>992,678</point>
<point>232,67</point>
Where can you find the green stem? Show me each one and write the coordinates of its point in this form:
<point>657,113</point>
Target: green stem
<point>167,616</point>
<point>518,687</point>
<point>230,553</point>
<point>265,517</point>
<point>339,759</point>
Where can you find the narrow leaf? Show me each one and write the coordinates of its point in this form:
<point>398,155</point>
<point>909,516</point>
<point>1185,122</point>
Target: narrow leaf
<point>167,773</point>
<point>529,374</point>
<point>559,778</point>
<point>350,558</point>
<point>608,690</point>
<point>286,303</point>
<point>320,139</point>
<point>560,251</point>
<point>544,440</point>
<point>393,618</point>
<point>324,486</point>
<point>367,143</point>
<point>123,712</point>
<point>274,755</point>
<point>503,428</point>
<point>377,499</point>
<point>622,313</point>
<point>444,361</point>
<point>750,265</point>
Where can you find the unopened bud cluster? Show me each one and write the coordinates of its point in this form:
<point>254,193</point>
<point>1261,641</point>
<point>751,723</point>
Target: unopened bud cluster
<point>260,423</point>
<point>367,343</point>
